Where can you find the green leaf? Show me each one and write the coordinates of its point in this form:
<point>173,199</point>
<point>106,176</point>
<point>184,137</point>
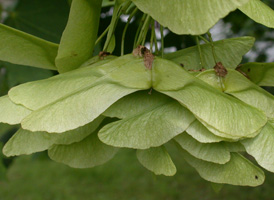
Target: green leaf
<point>85,93</point>
<point>22,74</point>
<point>238,171</point>
<point>260,73</point>
<point>218,111</point>
<point>27,142</point>
<point>44,19</point>
<point>157,160</point>
<point>262,148</point>
<point>229,52</point>
<point>107,3</point>
<point>78,39</point>
<point>188,16</point>
<point>87,153</point>
<point>76,110</point>
<point>259,12</point>
<point>200,133</point>
<point>234,146</point>
<point>21,48</point>
<point>12,113</point>
<point>136,103</point>
<point>214,152</point>
<point>96,60</point>
<point>111,45</point>
<point>234,83</point>
<point>118,71</point>
<point>150,128</point>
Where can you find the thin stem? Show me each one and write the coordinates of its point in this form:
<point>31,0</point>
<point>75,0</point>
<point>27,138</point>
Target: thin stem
<point>162,40</point>
<point>102,35</point>
<point>155,42</point>
<point>203,38</point>
<point>152,35</point>
<point>200,52</point>
<point>125,30</point>
<point>212,47</point>
<point>118,11</point>
<point>143,32</point>
<point>138,31</point>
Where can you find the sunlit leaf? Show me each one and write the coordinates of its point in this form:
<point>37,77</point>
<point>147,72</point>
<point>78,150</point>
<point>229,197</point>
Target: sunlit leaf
<point>188,16</point>
<point>229,52</point>
<point>260,73</point>
<point>157,160</point>
<point>199,132</point>
<point>11,113</point>
<point>27,142</point>
<point>238,171</point>
<point>214,152</point>
<point>79,36</point>
<point>87,153</point>
<point>262,148</point>
<point>136,103</point>
<point>238,85</point>
<point>227,115</point>
<point>85,93</point>
<point>259,12</point>
<point>21,48</point>
<point>150,128</point>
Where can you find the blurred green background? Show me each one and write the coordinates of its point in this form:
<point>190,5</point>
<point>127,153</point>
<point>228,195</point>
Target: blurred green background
<point>36,177</point>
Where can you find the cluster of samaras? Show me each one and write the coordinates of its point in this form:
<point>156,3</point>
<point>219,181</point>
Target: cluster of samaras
<point>83,117</point>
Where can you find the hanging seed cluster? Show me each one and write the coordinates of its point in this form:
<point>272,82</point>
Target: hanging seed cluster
<point>217,118</point>
<point>85,116</point>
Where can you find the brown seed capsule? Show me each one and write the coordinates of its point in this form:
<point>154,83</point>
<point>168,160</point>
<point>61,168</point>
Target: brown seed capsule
<point>220,70</point>
<point>103,54</point>
<point>142,51</point>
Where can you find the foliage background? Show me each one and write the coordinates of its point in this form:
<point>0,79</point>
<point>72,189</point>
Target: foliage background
<point>35,177</point>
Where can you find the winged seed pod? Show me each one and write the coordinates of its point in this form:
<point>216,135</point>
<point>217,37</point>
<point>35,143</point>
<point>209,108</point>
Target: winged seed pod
<point>177,102</point>
<point>260,147</point>
<point>100,105</point>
